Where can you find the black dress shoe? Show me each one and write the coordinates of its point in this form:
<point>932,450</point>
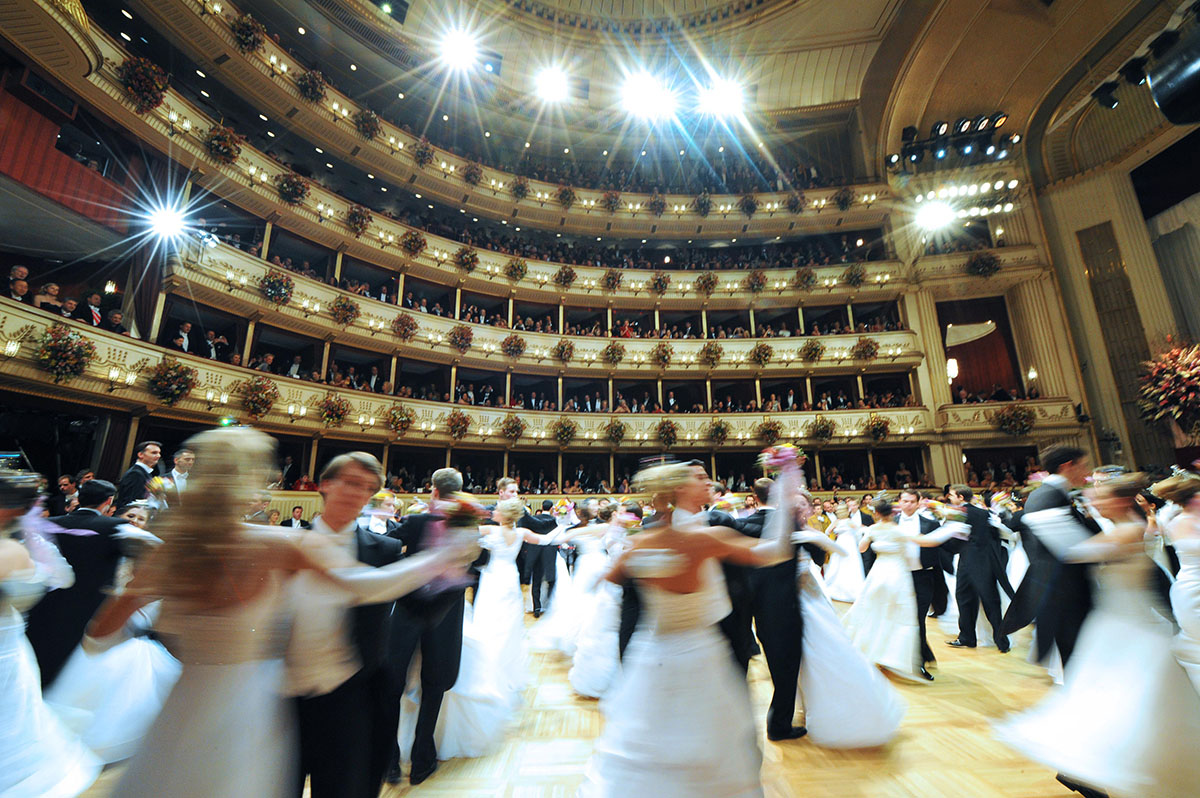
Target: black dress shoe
<point>537,613</point>
<point>1004,650</point>
<point>926,675</point>
<point>956,643</point>
<point>394,774</point>
<point>793,733</point>
<point>418,776</point>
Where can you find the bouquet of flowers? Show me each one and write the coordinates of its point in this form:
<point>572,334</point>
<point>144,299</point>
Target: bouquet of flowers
<point>611,201</point>
<point>660,282</point>
<point>472,173</point>
<point>400,418</point>
<point>702,204</point>
<point>276,287</point>
<point>144,82</point>
<point>865,349</point>
<point>770,431</point>
<point>843,199</point>
<point>461,337</point>
<point>656,204</point>
<point>812,350</point>
<point>711,353</point>
<point>1014,419</point>
<point>563,351</point>
<point>413,243</point>
<point>564,431</point>
<point>661,354</point>
<point>756,281</point>
<point>565,197</point>
<point>344,310</point>
<point>748,204</point>
<point>513,427</point>
<point>854,275</point>
<point>513,345</point>
<point>1169,387</point>
<point>358,219</point>
<point>563,509</point>
<point>405,327</point>
<point>778,456</point>
<point>565,276</point>
<point>761,354</point>
<point>223,145</point>
<point>948,512</point>
<point>718,432</point>
<point>821,429</point>
<point>706,283</point>
<point>519,188</point>
<point>878,427</point>
<point>293,189</point>
<point>259,395</point>
<point>612,279</point>
<point>614,431</point>
<point>63,353</point>
<point>458,526</point>
<point>805,279</point>
<point>311,85</point>
<point>249,34</point>
<point>458,423</point>
<point>422,152</point>
<point>157,487</point>
<point>795,202</point>
<point>334,410</point>
<point>982,264</point>
<point>367,123</point>
<point>171,381</point>
<point>667,432</point>
<point>614,353</point>
<point>516,269</point>
<point>466,259</point>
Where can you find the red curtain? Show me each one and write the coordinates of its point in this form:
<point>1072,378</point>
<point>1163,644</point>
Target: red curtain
<point>990,360</point>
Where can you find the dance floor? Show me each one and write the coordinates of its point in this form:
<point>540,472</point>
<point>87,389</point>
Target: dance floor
<point>944,748</point>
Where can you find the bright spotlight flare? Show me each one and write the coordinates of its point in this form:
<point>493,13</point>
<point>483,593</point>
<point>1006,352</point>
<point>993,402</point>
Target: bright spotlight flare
<point>935,215</point>
<point>723,98</point>
<point>552,84</point>
<point>167,222</point>
<point>459,50</point>
<point>646,96</point>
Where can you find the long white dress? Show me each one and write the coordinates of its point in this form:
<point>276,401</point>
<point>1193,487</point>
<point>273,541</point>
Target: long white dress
<point>847,702</point>
<point>882,623</point>
<point>597,658</point>
<point>39,758</point>
<point>1127,720</point>
<point>1185,602</point>
<point>678,722</point>
<point>844,573</point>
<point>559,628</point>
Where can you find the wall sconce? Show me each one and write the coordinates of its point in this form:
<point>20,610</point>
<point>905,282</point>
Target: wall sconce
<point>324,212</point>
<point>435,338</point>
<point>882,279</point>
<point>12,347</point>
<point>209,8</point>
<point>214,398</point>
<point>447,169</point>
<point>385,239</point>
<point>340,111</point>
<point>395,146</point>
<point>820,204</point>
<point>496,186</point>
<point>296,412</point>
<point>952,369</point>
<point>110,287</point>
<point>173,119</point>
<point>868,199</point>
<point>120,378</point>
<point>830,283</point>
<point>1032,374</point>
<point>234,281</point>
<point>277,67</point>
<point>310,307</point>
<point>426,428</point>
<point>365,422</point>
<point>374,325</point>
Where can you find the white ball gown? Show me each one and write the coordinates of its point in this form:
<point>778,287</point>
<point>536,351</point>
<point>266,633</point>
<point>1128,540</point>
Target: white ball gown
<point>1127,720</point>
<point>597,652</point>
<point>558,629</point>
<point>847,702</point>
<point>1185,601</point>
<point>844,573</point>
<point>883,622</point>
<point>678,722</point>
<point>39,758</point>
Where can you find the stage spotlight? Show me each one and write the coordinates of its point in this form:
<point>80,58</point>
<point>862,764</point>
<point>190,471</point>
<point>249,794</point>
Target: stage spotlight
<point>939,129</point>
<point>982,123</point>
<point>894,158</point>
<point>934,215</point>
<point>909,133</point>
<point>962,125</point>
<point>167,222</point>
<point>1105,94</point>
<point>459,50</point>
<point>1134,71</point>
<point>914,153</point>
<point>939,153</point>
<point>646,96</point>
<point>552,85</point>
<point>722,98</point>
<point>998,119</point>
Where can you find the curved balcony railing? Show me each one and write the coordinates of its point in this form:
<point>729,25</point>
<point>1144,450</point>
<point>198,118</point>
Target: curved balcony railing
<point>269,74</point>
<point>228,278</point>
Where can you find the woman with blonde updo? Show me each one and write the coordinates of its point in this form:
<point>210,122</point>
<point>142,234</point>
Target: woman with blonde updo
<point>1183,532</point>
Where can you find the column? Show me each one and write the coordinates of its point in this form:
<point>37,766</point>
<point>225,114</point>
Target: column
<point>508,387</point>
<point>457,302</point>
<point>337,266</point>
<point>850,314</point>
<point>561,314</point>
<point>808,390</point>
<point>612,471</point>
<point>266,239</point>
<point>946,460</point>
<point>758,392</point>
<point>510,312</point>
<point>712,459</point>
<point>558,471</point>
<point>453,384</point>
<point>131,439</point>
<point>387,450</point>
<point>1030,313</point>
<point>871,463</point>
<point>608,311</point>
<point>449,450</point>
<point>931,374</point>
<point>249,342</point>
<point>800,319</point>
<point>156,320</point>
<point>312,459</point>
<point>560,393</point>
<point>660,392</point>
<point>325,358</point>
<point>657,323</point>
<point>400,289</point>
<point>708,395</point>
<point>817,468</point>
<point>861,392</point>
<point>504,467</point>
<point>611,402</point>
<point>704,322</point>
<point>753,329</point>
<point>395,369</point>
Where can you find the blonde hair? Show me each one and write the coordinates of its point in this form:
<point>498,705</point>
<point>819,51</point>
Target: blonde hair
<point>510,511</point>
<point>662,478</point>
<point>1179,489</point>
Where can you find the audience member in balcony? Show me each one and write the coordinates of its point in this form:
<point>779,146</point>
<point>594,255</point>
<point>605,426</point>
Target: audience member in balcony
<point>47,298</point>
<point>176,343</point>
<point>374,381</point>
<point>90,312</point>
<point>18,290</point>
<point>296,370</point>
<point>217,346</point>
<point>112,322</point>
<point>266,364</point>
<point>69,308</point>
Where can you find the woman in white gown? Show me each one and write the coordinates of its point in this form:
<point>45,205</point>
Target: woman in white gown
<point>597,652</point>
<point>678,721</point>
<point>844,574</point>
<point>1127,720</point>
<point>558,629</point>
<point>1183,531</point>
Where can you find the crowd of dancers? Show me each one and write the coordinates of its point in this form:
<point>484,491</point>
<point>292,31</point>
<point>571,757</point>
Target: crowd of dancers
<point>227,658</point>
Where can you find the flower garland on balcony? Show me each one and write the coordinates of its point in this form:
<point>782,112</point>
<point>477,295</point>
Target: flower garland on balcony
<point>334,410</point>
<point>367,123</point>
<point>795,203</point>
<point>223,145</point>
<point>63,353</point>
<point>667,432</point>
<point>259,395</point>
<point>756,281</point>
<point>702,205</point>
<point>460,337</point>
<point>656,204</point>
<point>706,283</point>
<point>812,350</point>
<point>399,418</point>
<point>344,311</point>
<point>472,173</point>
<point>711,353</point>
<point>821,429</point>
<point>614,353</point>
<point>761,354</point>
<point>661,354</point>
<point>565,276</point>
<point>1014,420</point>
<point>144,81</point>
<point>466,259</point>
<point>878,427</point>
<point>513,427</point>
<point>612,279</point>
<point>843,199</point>
<point>459,424</point>
<point>312,84</point>
<point>513,346</point>
<point>854,275</point>
<point>413,243</point>
<point>358,219</point>
<point>769,432</point>
<point>563,351</point>
<point>564,431</point>
<point>1169,387</point>
<point>865,349</point>
<point>611,201</point>
<point>293,189</point>
<point>718,432</point>
<point>805,279</point>
<point>565,197</point>
<point>982,264</point>
<point>277,287</point>
<point>422,152</point>
<point>614,431</point>
<point>516,269</point>
<point>171,380</point>
<point>748,204</point>
<point>405,327</point>
<point>660,282</point>
<point>248,33</point>
<point>519,187</point>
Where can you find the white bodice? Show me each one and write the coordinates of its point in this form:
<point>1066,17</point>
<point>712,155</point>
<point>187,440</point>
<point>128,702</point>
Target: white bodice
<point>502,551</point>
<point>245,632</point>
<point>666,612</point>
<point>589,544</point>
<point>1188,551</point>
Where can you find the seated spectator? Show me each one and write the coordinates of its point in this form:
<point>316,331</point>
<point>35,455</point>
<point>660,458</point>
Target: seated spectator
<point>47,298</point>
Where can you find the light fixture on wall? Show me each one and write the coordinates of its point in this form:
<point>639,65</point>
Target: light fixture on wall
<point>951,369</point>
<point>1031,375</point>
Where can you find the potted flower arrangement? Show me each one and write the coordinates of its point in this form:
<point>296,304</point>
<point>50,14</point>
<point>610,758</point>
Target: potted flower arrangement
<point>513,345</point>
<point>748,204</point>
<point>612,279</point>
<point>344,311</point>
<point>610,201</point>
<point>711,353</point>
<point>399,418</point>
<point>661,354</point>
<point>761,354</point>
<point>63,353</point>
<point>769,431</point>
<point>706,283</point>
<point>513,427</point>
<point>982,264</point>
<point>565,276</point>
<point>472,173</point>
<point>358,219</point>
<point>843,199</point>
<point>458,423</point>
<point>660,282</point>
<point>564,430</point>
<point>718,432</point>
<point>614,353</point>
<point>293,189</point>
<point>1169,387</point>
<point>805,278</point>
<point>405,327</point>
<point>311,84</point>
<point>614,431</point>
<point>702,204</point>
<point>145,83</point>
<point>563,351</point>
<point>756,281</point>
<point>821,429</point>
<point>865,349</point>
<point>812,350</point>
<point>422,152</point>
<point>854,275</point>
<point>334,410</point>
<point>461,337</point>
<point>519,188</point>
<point>878,427</point>
<point>276,286</point>
<point>248,33</point>
<point>516,269</point>
<point>1014,419</point>
<point>413,243</point>
<point>565,197</point>
<point>259,395</point>
<point>656,204</point>
<point>223,145</point>
<point>171,380</point>
<point>367,123</point>
<point>795,202</point>
<point>667,432</point>
<point>466,259</point>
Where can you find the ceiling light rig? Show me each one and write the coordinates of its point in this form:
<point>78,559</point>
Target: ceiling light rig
<point>458,50</point>
<point>648,97</point>
<point>968,139</point>
<point>552,84</point>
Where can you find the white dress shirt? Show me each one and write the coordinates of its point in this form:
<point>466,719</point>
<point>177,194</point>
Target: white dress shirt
<point>911,524</point>
<point>180,480</point>
<point>297,523</point>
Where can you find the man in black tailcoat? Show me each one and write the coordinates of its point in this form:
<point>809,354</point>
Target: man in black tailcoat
<point>980,575</point>
<point>541,560</point>
<point>925,570</point>
<point>133,482</point>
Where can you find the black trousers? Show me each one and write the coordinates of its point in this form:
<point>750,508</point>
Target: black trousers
<point>941,592</point>
<point>924,582</point>
<point>976,586</point>
<point>781,640</point>
<point>345,739</point>
<point>545,560</point>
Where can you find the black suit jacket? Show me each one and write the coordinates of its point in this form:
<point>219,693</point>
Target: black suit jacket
<point>288,523</point>
<point>981,557</point>
<point>57,622</point>
<point>132,485</point>
<point>370,621</point>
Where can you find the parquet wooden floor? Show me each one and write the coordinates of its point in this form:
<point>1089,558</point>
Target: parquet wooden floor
<point>944,748</point>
